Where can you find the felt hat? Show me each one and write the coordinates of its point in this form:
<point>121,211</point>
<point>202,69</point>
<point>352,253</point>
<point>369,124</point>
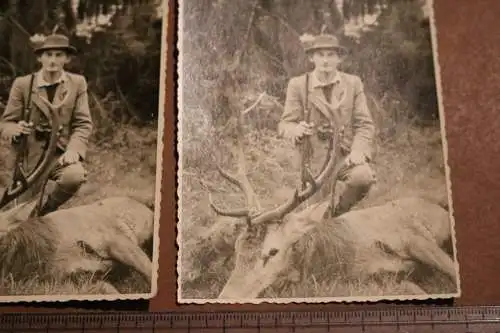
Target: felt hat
<point>324,41</point>
<point>55,42</point>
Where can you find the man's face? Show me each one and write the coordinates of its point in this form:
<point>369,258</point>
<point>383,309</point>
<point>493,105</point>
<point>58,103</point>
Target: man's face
<point>53,60</point>
<point>325,60</point>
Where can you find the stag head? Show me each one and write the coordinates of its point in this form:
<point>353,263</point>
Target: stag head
<point>263,248</point>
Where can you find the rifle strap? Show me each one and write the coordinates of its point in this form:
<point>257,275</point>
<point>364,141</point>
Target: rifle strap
<point>30,91</point>
<point>307,114</point>
<point>26,117</point>
<point>306,144</point>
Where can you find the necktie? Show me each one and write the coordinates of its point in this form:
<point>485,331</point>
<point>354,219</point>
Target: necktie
<point>327,90</point>
<point>51,90</point>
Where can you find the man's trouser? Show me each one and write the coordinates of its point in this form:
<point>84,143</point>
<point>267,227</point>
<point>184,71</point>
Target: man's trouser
<point>356,179</point>
<point>68,180</point>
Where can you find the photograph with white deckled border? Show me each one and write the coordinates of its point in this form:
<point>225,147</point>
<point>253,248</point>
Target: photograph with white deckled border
<point>81,129</point>
<point>312,154</point>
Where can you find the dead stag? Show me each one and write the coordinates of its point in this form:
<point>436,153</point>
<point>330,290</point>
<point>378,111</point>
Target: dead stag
<point>405,239</point>
<point>89,240</point>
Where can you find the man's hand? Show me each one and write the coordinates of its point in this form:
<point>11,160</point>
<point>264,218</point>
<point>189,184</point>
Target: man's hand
<point>12,130</point>
<point>69,157</point>
<point>355,158</point>
<point>302,129</point>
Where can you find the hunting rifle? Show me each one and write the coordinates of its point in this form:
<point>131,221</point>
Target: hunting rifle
<point>21,180</point>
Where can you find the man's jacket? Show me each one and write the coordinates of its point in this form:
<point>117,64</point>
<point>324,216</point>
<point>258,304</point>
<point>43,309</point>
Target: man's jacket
<point>74,113</point>
<point>353,114</point>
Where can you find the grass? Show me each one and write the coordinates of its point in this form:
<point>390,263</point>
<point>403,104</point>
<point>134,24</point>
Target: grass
<point>410,164</point>
<point>124,165</point>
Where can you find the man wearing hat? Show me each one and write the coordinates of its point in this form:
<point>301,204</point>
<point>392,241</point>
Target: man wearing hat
<point>334,99</point>
<point>67,93</point>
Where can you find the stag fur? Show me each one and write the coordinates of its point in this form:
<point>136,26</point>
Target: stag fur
<point>389,238</point>
<point>90,239</point>
<point>408,240</point>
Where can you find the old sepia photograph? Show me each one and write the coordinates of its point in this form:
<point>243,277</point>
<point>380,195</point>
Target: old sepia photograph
<point>81,128</point>
<point>312,153</point>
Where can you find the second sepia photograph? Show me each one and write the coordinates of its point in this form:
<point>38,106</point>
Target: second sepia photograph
<point>312,153</point>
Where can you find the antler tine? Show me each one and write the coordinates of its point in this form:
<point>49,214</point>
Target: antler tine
<point>337,132</point>
<point>230,177</point>
<point>313,184</point>
<point>332,144</point>
<point>234,212</point>
<point>222,212</point>
<point>243,183</point>
<point>251,197</point>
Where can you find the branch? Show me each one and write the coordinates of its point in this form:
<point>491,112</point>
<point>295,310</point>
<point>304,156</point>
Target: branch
<point>18,25</point>
<point>251,107</point>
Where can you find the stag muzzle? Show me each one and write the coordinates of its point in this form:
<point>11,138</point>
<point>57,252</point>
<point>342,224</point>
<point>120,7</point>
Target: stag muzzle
<point>247,284</point>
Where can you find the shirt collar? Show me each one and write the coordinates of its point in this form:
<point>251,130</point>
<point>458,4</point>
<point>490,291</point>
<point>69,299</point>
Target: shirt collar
<point>317,83</point>
<point>40,81</point>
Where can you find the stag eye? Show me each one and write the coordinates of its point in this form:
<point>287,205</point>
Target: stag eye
<point>273,252</point>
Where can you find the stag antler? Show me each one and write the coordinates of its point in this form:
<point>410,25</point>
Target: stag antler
<point>243,183</point>
<point>21,181</point>
<point>245,187</point>
<point>312,186</point>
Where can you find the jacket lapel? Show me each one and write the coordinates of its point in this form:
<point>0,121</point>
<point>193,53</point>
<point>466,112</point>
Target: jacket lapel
<point>40,104</point>
<point>40,97</point>
<point>61,92</point>
<point>36,93</point>
<point>39,91</point>
<point>318,100</point>
<point>340,90</point>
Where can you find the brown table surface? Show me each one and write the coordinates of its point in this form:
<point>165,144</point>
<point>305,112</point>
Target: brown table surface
<point>468,46</point>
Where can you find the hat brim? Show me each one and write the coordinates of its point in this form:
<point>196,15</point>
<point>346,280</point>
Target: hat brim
<point>69,49</point>
<point>339,49</point>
